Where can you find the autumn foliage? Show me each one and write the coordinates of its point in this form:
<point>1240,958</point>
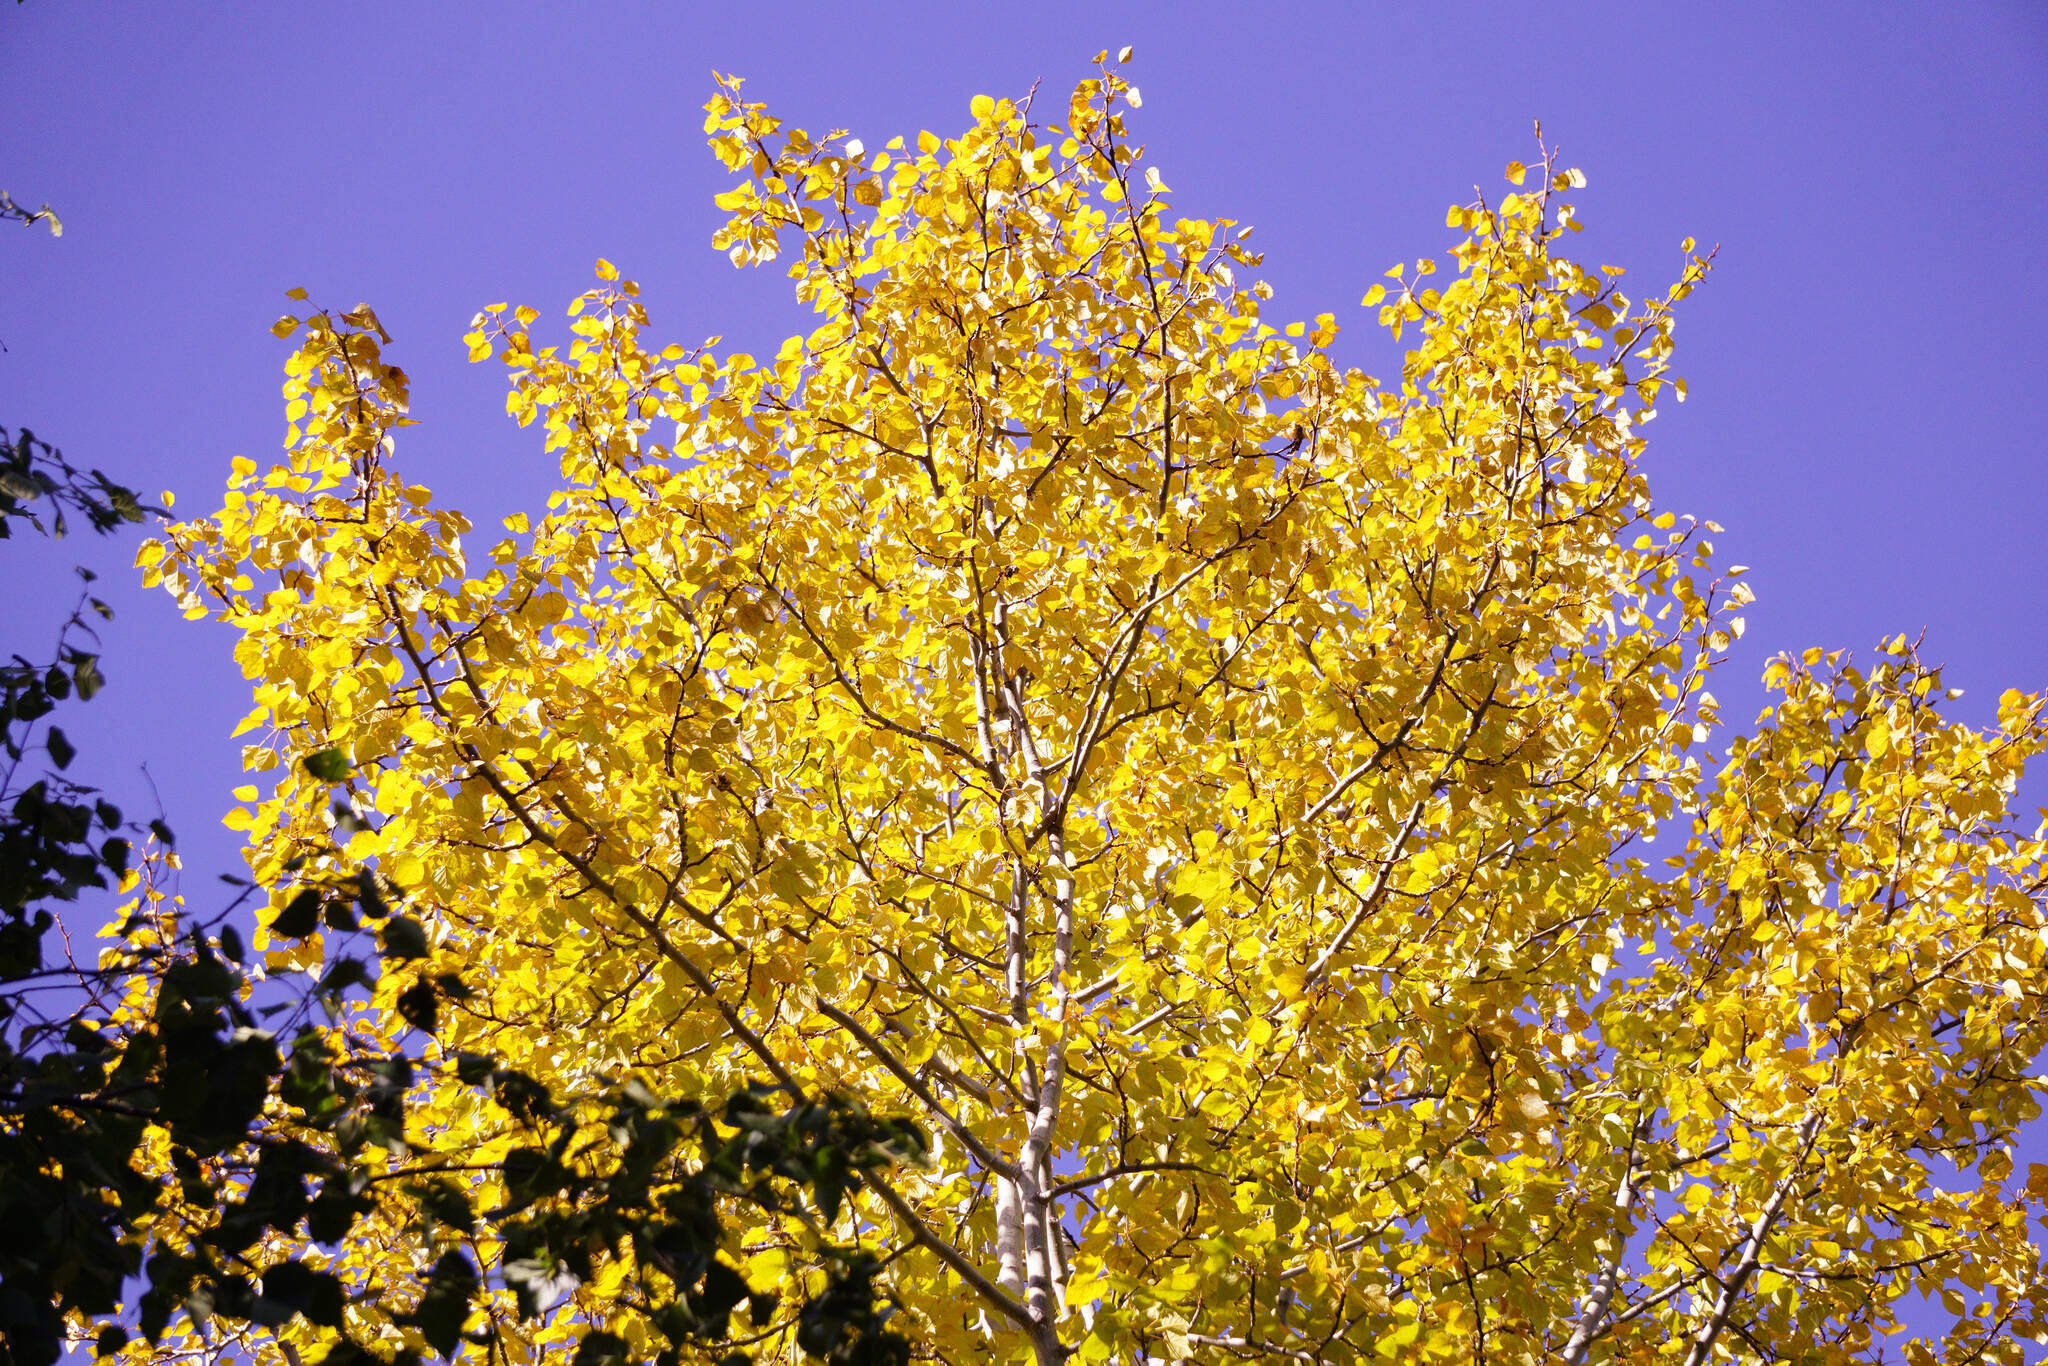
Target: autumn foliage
<point>1213,791</point>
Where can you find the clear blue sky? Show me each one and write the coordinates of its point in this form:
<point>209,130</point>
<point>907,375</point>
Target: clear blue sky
<point>1868,406</point>
<point>1868,413</point>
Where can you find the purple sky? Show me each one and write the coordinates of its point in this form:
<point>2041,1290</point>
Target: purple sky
<point>1866,364</point>
<point>1867,415</point>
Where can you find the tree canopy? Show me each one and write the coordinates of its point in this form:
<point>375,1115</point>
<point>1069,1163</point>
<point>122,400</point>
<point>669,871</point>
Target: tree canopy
<point>153,1132</point>
<point>158,1145</point>
<point>1270,826</point>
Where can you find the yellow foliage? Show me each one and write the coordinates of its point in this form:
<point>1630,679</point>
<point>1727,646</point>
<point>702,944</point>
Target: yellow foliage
<point>1210,788</point>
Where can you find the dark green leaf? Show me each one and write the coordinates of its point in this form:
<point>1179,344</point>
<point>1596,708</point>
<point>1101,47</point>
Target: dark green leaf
<point>300,917</point>
<point>347,972</point>
<point>419,1007</point>
<point>444,1307</point>
<point>829,1172</point>
<point>723,1290</point>
<point>531,1174</point>
<point>334,1211</point>
<point>521,1094</point>
<point>328,765</point>
<point>404,938</point>
<point>446,1203</point>
<point>601,1349</point>
<point>316,1294</point>
<point>21,950</point>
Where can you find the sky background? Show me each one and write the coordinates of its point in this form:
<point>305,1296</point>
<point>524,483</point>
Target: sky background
<point>1866,363</point>
<point>1867,408</point>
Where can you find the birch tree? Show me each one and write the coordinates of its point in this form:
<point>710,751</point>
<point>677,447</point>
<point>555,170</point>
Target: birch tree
<point>1270,826</point>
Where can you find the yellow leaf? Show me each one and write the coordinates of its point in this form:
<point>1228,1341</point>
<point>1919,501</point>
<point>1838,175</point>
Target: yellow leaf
<point>1051,678</point>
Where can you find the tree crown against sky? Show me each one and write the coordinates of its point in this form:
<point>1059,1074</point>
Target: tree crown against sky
<point>156,1125</point>
<point>1215,790</point>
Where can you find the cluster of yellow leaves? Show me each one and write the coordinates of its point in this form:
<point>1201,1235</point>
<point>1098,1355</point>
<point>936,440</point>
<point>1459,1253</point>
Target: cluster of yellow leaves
<point>1207,786</point>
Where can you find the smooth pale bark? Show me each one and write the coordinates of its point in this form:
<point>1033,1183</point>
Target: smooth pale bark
<point>1594,1316</point>
<point>1752,1249</point>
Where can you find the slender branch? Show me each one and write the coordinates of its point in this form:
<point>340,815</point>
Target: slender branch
<point>947,1253</point>
<point>1601,1299</point>
<point>1368,902</point>
<point>1252,1345</point>
<point>1392,742</point>
<point>592,878</point>
<point>1753,1249</point>
<point>887,1057</point>
<point>1081,1183</point>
